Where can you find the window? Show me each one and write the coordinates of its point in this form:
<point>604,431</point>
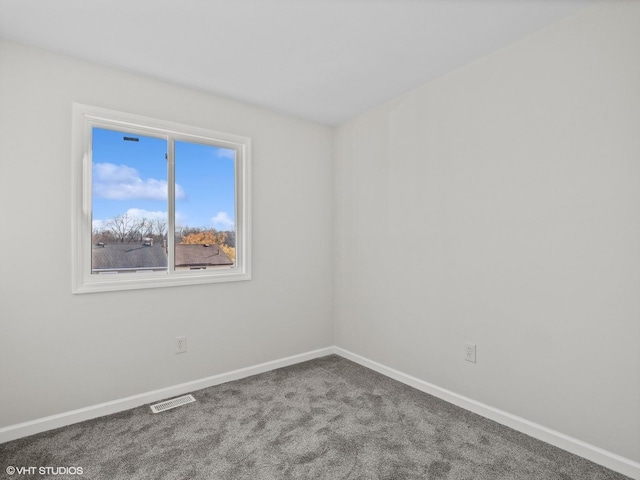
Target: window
<point>157,203</point>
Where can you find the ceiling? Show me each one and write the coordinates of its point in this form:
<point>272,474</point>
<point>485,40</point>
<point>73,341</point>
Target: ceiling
<point>322,60</point>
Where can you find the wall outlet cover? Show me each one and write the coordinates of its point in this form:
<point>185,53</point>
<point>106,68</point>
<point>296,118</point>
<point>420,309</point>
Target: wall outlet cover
<point>470,352</point>
<point>181,344</point>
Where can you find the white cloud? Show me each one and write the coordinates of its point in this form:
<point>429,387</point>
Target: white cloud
<point>133,214</point>
<point>121,182</point>
<point>97,225</point>
<point>138,213</point>
<point>222,221</point>
<point>226,153</point>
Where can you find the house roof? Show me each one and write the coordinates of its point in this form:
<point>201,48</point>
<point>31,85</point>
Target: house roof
<point>190,255</point>
<point>137,256</point>
<point>122,256</point>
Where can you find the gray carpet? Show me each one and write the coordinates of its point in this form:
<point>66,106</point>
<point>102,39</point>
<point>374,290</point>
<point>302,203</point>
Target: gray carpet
<point>328,418</point>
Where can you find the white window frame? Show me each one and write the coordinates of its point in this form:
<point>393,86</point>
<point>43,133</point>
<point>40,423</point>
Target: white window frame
<point>85,117</point>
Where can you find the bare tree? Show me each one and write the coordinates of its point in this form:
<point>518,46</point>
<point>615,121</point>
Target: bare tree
<point>230,238</point>
<point>120,227</point>
<point>101,236</point>
<point>159,227</point>
<point>125,228</point>
<point>145,228</point>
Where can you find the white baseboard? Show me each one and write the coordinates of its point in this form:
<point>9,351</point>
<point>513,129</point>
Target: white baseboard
<point>590,452</point>
<point>595,454</point>
<point>39,425</point>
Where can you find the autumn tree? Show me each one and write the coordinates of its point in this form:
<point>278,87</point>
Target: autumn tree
<point>226,240</point>
<point>229,252</point>
<point>200,238</point>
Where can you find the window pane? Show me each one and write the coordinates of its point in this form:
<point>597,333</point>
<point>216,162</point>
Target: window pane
<point>205,200</point>
<point>129,202</point>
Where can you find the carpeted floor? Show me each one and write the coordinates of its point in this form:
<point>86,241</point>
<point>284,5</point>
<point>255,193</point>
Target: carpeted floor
<point>328,418</point>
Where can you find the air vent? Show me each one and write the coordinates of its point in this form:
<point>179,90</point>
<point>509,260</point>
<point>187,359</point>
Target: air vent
<point>173,403</point>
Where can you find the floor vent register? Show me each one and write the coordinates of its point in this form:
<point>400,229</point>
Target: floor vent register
<point>173,403</point>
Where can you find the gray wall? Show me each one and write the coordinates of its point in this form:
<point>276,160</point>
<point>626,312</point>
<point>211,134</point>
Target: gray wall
<point>59,351</point>
<point>500,205</point>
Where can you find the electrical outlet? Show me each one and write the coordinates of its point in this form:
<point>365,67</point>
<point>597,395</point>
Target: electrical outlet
<point>470,352</point>
<point>181,344</point>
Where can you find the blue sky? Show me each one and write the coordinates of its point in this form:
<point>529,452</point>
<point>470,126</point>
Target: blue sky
<point>131,177</point>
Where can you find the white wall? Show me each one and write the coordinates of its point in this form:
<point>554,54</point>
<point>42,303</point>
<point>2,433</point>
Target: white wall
<point>501,205</point>
<point>60,352</point>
